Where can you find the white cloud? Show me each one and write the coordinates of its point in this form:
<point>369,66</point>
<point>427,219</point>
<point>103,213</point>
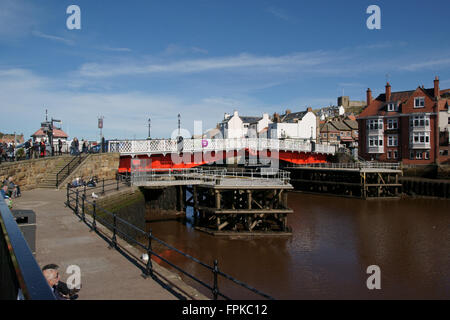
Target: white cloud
<point>280,14</point>
<point>243,61</point>
<point>53,37</point>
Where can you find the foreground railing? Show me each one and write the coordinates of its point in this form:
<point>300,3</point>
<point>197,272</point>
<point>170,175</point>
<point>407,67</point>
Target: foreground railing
<point>133,147</point>
<point>91,214</point>
<point>19,272</point>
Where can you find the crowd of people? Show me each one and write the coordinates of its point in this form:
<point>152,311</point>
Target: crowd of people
<point>40,149</point>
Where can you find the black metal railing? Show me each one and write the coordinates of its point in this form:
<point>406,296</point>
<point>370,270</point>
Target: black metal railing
<point>19,271</point>
<point>68,168</point>
<point>91,213</point>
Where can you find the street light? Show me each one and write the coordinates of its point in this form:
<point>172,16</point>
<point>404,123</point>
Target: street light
<point>179,124</point>
<point>149,126</point>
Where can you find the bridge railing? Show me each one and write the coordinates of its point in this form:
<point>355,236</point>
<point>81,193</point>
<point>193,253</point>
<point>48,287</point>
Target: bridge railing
<point>166,146</point>
<point>355,165</point>
<point>19,271</point>
<point>210,175</point>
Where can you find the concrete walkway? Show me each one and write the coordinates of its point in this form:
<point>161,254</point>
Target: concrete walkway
<point>105,273</point>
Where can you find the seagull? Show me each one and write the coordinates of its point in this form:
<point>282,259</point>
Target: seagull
<point>94,196</point>
<point>144,257</point>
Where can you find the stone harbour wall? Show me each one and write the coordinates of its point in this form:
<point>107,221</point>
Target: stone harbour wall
<point>29,173</point>
<point>102,165</point>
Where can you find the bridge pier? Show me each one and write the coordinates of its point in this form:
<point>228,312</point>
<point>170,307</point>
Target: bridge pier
<point>347,180</point>
<point>241,210</point>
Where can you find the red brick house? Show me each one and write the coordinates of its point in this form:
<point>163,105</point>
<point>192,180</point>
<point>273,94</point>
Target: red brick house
<point>404,126</point>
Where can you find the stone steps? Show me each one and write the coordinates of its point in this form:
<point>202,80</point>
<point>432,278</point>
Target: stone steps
<point>49,181</point>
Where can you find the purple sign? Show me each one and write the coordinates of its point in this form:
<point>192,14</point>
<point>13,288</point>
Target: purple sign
<point>204,143</point>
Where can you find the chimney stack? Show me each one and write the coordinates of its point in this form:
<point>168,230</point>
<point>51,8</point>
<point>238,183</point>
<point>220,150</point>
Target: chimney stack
<point>437,92</point>
<point>388,92</point>
<point>369,96</point>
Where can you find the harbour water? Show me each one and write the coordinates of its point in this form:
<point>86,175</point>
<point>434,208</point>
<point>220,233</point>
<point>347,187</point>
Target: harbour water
<point>334,241</point>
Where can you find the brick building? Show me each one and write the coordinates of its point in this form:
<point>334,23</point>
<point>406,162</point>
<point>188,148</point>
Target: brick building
<point>405,126</point>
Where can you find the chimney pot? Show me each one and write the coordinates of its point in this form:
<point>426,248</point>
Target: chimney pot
<point>388,92</point>
<point>437,91</point>
<point>369,96</point>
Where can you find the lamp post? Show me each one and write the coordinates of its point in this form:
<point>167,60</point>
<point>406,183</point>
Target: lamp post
<point>179,124</point>
<point>149,126</point>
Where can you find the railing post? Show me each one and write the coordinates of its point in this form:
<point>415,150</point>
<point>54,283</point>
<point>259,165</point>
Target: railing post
<point>103,186</point>
<point>216,285</point>
<point>68,199</point>
<point>94,223</point>
<point>117,184</point>
<point>114,237</point>
<point>83,197</point>
<point>149,266</point>
<point>76,202</point>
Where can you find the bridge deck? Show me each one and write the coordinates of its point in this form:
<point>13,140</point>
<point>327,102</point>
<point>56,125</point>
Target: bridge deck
<point>105,274</point>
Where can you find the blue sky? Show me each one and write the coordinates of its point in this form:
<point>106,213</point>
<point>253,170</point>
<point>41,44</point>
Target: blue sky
<point>137,59</point>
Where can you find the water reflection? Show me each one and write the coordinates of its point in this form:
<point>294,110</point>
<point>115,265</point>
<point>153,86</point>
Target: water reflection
<point>334,241</point>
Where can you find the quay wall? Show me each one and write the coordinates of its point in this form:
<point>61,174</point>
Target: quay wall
<point>431,171</point>
<point>29,173</point>
<point>426,187</point>
<point>103,165</point>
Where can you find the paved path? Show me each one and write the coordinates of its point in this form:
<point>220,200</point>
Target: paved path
<point>105,274</point>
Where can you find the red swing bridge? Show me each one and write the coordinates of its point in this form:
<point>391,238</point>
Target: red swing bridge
<point>167,154</point>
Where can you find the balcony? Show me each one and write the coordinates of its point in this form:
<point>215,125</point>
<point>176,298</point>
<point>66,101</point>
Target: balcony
<point>420,145</point>
<point>375,149</point>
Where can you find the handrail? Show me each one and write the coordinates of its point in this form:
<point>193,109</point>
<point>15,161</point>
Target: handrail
<point>81,201</point>
<point>67,166</point>
<point>24,272</point>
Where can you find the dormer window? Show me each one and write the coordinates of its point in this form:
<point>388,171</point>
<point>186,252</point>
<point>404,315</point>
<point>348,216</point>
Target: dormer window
<point>392,106</point>
<point>419,102</point>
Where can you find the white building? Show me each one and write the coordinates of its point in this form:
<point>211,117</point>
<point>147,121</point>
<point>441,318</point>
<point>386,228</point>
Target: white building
<point>235,126</point>
<point>297,125</point>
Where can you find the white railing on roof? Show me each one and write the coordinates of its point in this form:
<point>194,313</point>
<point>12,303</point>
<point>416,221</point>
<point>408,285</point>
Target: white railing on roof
<point>148,147</point>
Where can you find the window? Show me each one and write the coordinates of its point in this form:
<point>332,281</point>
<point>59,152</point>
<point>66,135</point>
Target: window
<point>392,107</point>
<point>427,155</point>
<point>411,155</point>
<point>375,141</point>
<point>376,124</point>
<point>420,121</point>
<point>392,124</point>
<point>418,155</point>
<point>389,155</point>
<point>419,102</point>
<point>393,141</point>
<point>395,154</point>
<point>420,137</point>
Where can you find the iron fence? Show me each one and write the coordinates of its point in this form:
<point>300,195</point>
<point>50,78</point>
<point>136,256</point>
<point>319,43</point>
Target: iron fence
<point>91,214</point>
